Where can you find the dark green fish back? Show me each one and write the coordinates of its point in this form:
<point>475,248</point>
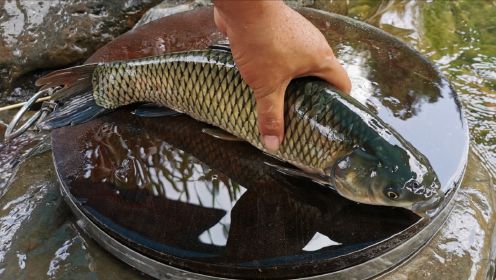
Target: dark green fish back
<point>207,86</point>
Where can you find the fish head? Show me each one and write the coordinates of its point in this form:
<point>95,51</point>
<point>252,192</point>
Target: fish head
<point>393,177</point>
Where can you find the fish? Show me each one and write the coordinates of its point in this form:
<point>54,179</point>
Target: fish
<point>329,137</point>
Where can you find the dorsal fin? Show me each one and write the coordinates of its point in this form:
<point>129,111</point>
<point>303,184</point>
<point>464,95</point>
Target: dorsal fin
<point>317,178</point>
<point>221,46</point>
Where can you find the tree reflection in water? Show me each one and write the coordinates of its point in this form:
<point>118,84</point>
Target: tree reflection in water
<point>175,185</point>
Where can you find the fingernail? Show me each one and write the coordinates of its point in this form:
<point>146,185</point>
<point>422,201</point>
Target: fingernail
<point>271,143</point>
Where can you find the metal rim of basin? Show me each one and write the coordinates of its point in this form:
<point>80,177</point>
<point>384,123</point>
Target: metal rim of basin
<point>368,269</point>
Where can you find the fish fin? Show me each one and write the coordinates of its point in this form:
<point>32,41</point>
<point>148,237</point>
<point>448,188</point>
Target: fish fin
<point>75,102</point>
<point>221,134</point>
<point>73,81</point>
<point>221,46</point>
<point>78,109</point>
<point>307,169</point>
<point>150,110</point>
<point>317,178</point>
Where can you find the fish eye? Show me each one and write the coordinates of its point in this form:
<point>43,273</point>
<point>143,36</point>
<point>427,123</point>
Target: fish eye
<point>392,195</point>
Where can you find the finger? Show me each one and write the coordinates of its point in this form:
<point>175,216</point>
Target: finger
<point>270,113</point>
<point>333,72</point>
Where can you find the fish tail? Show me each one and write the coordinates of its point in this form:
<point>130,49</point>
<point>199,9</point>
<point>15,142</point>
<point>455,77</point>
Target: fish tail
<point>74,80</point>
<point>75,102</point>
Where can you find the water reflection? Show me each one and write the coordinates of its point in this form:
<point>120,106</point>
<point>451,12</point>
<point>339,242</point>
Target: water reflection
<point>156,167</point>
<point>185,197</point>
<point>372,69</point>
<point>460,38</point>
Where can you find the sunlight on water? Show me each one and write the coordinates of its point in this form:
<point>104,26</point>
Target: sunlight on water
<point>158,167</point>
<point>460,38</point>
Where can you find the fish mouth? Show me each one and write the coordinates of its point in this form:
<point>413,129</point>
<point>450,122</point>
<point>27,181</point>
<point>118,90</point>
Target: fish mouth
<point>429,208</point>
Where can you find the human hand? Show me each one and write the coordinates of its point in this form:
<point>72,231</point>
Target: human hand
<point>271,45</point>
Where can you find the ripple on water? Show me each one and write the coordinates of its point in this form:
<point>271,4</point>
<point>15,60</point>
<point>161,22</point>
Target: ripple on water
<point>464,235</point>
<point>15,152</point>
<point>463,245</point>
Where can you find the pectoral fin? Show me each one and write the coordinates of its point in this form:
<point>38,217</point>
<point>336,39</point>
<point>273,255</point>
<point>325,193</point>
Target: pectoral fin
<point>152,111</point>
<point>317,178</point>
<point>221,134</point>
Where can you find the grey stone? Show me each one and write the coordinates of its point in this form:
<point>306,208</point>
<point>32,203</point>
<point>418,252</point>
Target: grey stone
<point>167,8</point>
<point>53,33</point>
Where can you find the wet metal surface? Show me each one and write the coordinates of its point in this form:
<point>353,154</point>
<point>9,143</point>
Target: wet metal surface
<point>209,206</point>
<point>173,194</point>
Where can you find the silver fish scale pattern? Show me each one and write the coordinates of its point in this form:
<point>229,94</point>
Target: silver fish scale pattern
<point>313,132</point>
<point>207,86</point>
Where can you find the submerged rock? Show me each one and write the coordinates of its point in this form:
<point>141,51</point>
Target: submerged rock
<point>48,34</point>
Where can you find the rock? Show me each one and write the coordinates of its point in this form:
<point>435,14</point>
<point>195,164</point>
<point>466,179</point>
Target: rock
<point>51,34</point>
<point>178,32</point>
<point>167,8</point>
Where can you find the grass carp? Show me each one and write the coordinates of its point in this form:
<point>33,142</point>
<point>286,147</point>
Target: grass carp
<point>331,137</point>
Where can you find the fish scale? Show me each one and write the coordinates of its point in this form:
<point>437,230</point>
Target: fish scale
<point>207,86</point>
<point>326,132</point>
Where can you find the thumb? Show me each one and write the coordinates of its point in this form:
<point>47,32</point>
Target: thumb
<point>270,113</point>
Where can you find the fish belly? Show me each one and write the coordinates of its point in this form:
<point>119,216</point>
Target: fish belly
<point>207,86</point>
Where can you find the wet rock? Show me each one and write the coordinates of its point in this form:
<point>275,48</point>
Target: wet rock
<point>49,34</point>
<point>178,32</point>
<point>3,126</point>
<point>167,8</point>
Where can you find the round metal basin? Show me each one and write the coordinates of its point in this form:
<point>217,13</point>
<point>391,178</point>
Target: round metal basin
<point>173,202</point>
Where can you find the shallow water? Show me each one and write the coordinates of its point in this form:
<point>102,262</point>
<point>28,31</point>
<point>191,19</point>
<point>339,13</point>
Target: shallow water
<point>40,239</point>
<point>460,38</point>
